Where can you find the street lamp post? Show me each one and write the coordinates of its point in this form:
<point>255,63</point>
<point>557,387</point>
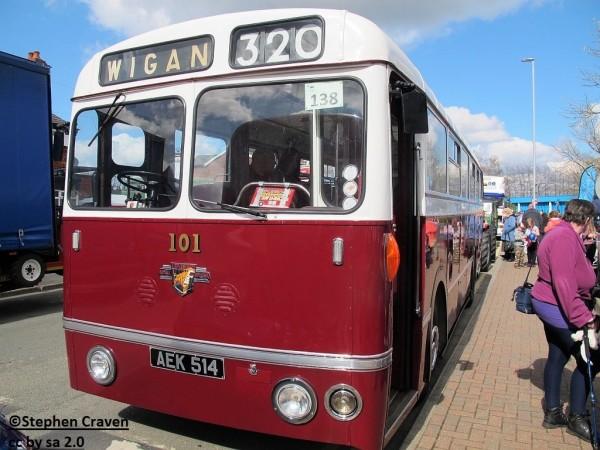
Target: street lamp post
<point>532,61</point>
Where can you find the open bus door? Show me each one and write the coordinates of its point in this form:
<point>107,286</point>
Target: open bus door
<point>407,112</point>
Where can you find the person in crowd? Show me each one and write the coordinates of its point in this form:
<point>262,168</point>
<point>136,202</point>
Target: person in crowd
<point>532,234</point>
<point>558,296</point>
<point>520,246</point>
<point>519,217</point>
<point>534,214</point>
<point>508,234</point>
<point>545,219</point>
<point>596,203</point>
<point>553,220</point>
<point>593,250</point>
<point>589,241</point>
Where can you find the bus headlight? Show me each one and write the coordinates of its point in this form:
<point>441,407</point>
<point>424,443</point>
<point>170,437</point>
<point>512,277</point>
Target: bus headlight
<point>101,365</point>
<point>343,402</point>
<point>294,400</point>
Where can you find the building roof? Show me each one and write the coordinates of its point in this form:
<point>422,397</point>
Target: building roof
<point>57,122</point>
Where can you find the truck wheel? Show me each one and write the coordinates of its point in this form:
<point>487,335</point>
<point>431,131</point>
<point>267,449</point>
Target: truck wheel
<point>493,248</point>
<point>27,270</point>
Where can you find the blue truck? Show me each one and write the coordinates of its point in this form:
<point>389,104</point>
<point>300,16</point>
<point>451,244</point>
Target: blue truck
<point>28,216</point>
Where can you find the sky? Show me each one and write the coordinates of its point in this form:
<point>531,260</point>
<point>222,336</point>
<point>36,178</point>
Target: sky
<point>469,52</point>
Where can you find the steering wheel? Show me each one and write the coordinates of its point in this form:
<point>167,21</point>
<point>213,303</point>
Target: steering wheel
<point>149,180</point>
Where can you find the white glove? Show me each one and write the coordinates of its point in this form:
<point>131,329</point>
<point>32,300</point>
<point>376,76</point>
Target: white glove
<point>593,338</point>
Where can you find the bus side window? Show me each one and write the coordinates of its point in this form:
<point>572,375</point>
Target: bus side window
<point>436,156</point>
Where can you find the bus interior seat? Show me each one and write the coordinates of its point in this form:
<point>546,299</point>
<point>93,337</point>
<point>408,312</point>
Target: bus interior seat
<point>168,188</point>
<point>289,166</point>
<point>263,166</point>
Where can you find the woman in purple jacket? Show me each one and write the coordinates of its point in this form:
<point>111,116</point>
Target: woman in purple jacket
<point>564,281</point>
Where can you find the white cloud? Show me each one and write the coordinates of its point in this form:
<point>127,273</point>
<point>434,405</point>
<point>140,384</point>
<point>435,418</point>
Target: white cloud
<point>487,136</point>
<point>407,21</point>
<point>128,150</point>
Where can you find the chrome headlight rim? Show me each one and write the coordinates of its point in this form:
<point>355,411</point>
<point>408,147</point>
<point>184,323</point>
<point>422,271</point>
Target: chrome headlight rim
<point>304,385</point>
<point>343,387</point>
<point>112,373</point>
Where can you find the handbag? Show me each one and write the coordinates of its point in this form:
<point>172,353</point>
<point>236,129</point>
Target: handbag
<point>522,296</point>
<point>508,246</point>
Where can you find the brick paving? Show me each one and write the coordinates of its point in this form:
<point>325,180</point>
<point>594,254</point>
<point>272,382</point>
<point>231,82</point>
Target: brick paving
<point>493,396</point>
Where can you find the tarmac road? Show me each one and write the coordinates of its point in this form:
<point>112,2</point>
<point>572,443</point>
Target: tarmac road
<point>34,382</point>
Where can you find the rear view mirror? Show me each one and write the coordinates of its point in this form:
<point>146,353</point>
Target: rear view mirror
<point>414,112</point>
<point>411,104</point>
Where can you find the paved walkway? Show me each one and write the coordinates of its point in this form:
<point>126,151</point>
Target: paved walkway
<point>493,396</point>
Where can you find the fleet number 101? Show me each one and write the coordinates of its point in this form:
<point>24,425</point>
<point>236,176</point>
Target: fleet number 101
<point>184,242</point>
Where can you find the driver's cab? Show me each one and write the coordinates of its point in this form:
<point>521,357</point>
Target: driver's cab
<point>128,156</point>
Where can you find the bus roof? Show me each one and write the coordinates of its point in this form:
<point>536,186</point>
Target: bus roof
<point>345,42</point>
<point>348,39</point>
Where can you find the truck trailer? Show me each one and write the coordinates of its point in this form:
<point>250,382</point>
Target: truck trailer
<point>28,217</point>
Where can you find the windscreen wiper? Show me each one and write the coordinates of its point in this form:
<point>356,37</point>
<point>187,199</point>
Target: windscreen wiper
<point>111,113</point>
<point>233,208</point>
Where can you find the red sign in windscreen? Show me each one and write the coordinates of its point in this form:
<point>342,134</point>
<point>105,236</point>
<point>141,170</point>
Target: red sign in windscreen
<point>272,197</point>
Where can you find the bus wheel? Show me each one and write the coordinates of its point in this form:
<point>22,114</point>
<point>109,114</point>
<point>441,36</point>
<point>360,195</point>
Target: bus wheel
<point>474,274</point>
<point>434,346</point>
<point>27,270</point>
<point>437,338</point>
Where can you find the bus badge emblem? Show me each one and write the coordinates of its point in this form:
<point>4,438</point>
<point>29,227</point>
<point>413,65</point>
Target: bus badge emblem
<point>183,276</point>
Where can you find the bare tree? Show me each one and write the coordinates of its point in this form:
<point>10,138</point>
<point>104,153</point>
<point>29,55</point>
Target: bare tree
<point>585,119</point>
<point>561,179</point>
<point>571,152</point>
<point>491,166</point>
<point>593,78</point>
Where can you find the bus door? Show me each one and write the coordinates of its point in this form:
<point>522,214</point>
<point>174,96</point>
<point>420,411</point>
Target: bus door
<point>405,296</point>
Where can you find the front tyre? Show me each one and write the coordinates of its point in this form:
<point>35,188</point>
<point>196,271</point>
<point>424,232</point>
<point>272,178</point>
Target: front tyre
<point>437,342</point>
<point>434,345</point>
<point>27,270</point>
<point>474,274</point>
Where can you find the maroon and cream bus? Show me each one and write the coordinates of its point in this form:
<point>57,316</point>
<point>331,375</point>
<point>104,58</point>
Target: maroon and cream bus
<point>270,224</point>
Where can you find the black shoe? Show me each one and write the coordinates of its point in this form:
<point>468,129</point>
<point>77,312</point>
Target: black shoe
<point>578,425</point>
<point>554,418</point>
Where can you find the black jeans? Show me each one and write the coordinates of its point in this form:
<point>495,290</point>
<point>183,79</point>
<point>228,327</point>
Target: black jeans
<point>560,348</point>
<point>532,253</point>
<point>509,250</point>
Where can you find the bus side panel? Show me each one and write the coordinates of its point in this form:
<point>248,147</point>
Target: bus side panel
<point>241,400</point>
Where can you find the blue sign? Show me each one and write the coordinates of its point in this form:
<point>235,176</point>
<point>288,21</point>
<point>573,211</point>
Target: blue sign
<point>587,184</point>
